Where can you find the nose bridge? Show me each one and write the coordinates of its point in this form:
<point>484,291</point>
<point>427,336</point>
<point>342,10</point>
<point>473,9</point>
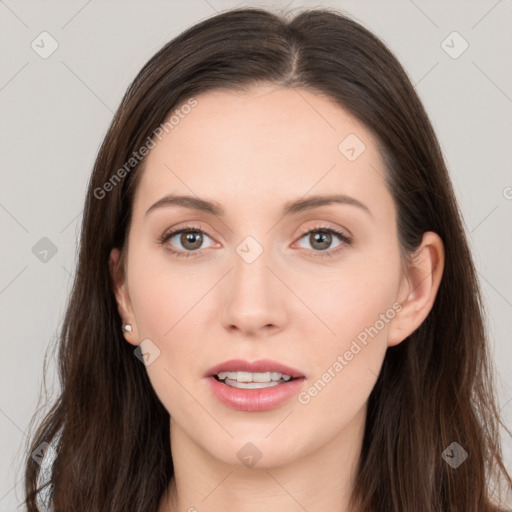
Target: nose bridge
<point>253,299</point>
<point>251,264</point>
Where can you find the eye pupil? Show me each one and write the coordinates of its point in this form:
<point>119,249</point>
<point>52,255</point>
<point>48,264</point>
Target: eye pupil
<point>189,236</point>
<point>323,238</point>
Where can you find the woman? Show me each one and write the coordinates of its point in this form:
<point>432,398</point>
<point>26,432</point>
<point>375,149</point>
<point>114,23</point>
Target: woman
<point>275,306</point>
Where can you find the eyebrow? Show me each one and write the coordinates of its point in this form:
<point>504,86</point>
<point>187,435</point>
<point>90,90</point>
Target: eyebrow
<point>289,208</point>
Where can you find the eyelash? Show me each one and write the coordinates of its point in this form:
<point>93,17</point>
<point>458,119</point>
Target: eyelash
<point>317,229</point>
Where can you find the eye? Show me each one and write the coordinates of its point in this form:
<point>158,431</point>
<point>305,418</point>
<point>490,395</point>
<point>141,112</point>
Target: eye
<point>320,239</point>
<point>190,238</point>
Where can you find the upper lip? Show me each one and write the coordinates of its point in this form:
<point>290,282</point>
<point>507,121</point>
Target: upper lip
<point>261,365</point>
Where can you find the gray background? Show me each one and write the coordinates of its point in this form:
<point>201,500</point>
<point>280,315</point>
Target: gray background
<point>54,113</point>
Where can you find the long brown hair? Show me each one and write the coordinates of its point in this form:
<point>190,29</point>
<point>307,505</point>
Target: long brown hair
<point>110,432</point>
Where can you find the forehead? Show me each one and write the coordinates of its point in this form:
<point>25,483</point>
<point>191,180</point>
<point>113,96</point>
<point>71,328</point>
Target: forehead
<point>266,142</point>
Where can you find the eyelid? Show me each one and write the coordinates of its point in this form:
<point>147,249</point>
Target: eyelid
<point>346,240</point>
<point>171,232</point>
<point>325,226</point>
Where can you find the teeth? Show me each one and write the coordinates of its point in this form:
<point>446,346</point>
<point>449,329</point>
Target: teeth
<point>257,377</point>
<point>250,385</point>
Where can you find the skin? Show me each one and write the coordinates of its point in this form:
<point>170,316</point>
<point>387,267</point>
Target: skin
<point>265,147</point>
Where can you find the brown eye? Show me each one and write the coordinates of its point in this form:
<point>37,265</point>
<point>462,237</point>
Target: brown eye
<point>320,240</point>
<point>185,242</point>
<point>191,240</point>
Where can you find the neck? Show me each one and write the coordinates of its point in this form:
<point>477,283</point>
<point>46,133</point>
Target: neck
<point>317,480</point>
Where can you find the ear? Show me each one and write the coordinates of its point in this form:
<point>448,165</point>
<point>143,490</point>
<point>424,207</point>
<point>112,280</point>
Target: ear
<point>119,284</point>
<point>418,287</point>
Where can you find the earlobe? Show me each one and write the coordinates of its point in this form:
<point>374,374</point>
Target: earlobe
<point>118,278</point>
<point>419,287</point>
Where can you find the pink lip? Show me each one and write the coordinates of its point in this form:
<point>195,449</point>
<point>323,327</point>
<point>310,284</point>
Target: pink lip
<point>254,400</point>
<point>262,365</point>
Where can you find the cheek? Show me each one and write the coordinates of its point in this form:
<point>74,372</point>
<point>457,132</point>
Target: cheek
<point>356,309</point>
<point>353,297</point>
<point>345,367</point>
<point>161,295</point>
<point>166,302</point>
<point>161,305</point>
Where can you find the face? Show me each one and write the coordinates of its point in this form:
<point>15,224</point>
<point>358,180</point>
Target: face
<point>256,281</point>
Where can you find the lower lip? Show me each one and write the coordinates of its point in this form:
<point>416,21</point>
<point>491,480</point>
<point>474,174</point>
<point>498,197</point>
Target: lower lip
<point>255,400</point>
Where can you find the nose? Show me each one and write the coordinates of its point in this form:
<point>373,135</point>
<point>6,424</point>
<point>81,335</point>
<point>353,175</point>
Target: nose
<point>253,298</point>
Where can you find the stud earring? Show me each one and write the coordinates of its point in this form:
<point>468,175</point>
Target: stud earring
<point>127,327</point>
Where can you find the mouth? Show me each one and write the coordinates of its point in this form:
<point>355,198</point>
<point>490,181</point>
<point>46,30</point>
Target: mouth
<point>254,386</point>
<point>250,380</point>
<point>263,372</point>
